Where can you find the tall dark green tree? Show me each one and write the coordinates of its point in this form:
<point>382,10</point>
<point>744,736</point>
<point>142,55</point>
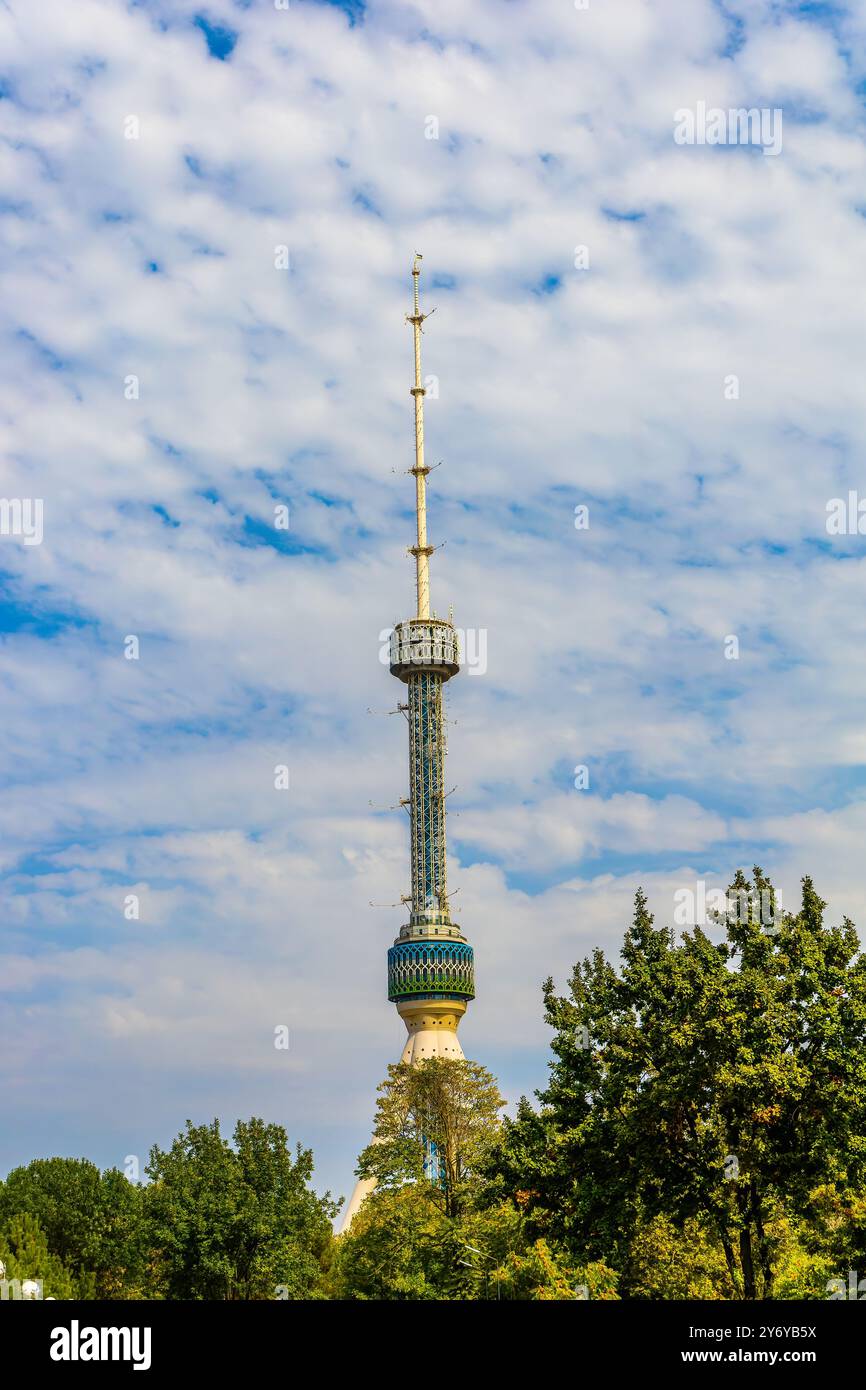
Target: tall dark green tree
<point>722,1081</point>
<point>235,1221</point>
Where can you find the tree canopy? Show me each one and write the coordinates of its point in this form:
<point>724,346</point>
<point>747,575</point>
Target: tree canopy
<point>90,1220</point>
<point>437,1119</point>
<point>720,1083</point>
<point>702,1135</point>
<point>235,1222</point>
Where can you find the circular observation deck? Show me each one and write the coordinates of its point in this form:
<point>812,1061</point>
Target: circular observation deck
<point>424,644</point>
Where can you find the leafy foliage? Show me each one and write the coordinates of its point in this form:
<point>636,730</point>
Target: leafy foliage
<point>90,1220</point>
<point>238,1222</point>
<point>25,1255</point>
<point>437,1235</point>
<point>403,1246</point>
<point>702,1136</point>
<point>712,1085</point>
<point>443,1107</point>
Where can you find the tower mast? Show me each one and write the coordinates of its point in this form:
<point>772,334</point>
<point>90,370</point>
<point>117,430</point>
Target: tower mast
<point>421,550</point>
<point>431,974</point>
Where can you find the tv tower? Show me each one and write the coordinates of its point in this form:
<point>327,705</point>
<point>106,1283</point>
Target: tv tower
<point>430,965</point>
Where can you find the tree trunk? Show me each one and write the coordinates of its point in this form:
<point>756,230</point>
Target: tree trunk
<point>763,1243</point>
<point>730,1259</point>
<point>746,1261</point>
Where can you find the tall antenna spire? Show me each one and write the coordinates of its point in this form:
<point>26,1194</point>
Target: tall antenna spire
<point>421,550</point>
<point>431,965</point>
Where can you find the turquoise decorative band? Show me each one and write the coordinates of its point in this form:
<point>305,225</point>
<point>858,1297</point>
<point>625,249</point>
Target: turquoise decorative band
<point>431,969</point>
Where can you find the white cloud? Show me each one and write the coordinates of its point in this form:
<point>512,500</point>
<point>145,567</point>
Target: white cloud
<point>256,386</point>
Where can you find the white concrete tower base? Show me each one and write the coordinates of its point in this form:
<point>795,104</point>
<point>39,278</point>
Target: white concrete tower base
<point>363,1188</point>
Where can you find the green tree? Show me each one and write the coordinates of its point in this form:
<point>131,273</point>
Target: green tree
<point>91,1220</point>
<point>386,1254</point>
<point>430,1230</point>
<point>438,1118</point>
<point>236,1222</point>
<point>717,1083</point>
<point>403,1247</point>
<point>539,1274</point>
<point>25,1255</point>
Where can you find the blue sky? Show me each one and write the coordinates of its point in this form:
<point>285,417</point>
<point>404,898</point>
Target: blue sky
<point>154,258</point>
